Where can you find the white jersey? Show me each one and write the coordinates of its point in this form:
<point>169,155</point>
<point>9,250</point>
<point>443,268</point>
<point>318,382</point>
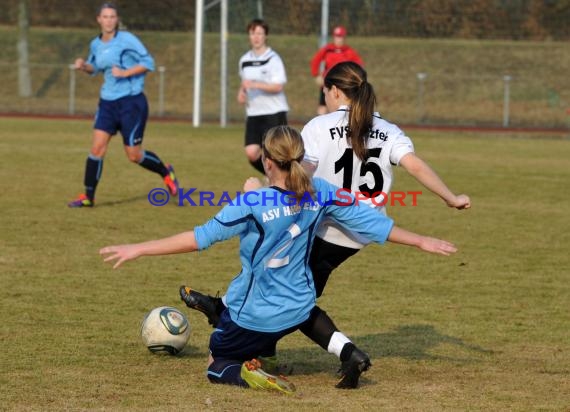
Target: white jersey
<point>327,147</point>
<point>266,68</point>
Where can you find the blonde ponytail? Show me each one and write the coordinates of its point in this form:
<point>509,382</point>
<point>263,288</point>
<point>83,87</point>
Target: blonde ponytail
<point>284,146</point>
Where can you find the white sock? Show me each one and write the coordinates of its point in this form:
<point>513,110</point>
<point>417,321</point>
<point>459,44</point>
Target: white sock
<point>337,342</point>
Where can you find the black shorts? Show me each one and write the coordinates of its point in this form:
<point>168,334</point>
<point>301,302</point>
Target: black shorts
<point>326,257</point>
<point>256,126</point>
<point>322,98</point>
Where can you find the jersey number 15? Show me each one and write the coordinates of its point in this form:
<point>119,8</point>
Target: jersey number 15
<point>368,166</point>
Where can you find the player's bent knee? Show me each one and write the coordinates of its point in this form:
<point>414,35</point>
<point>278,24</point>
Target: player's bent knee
<point>133,158</point>
<point>133,155</point>
<point>252,152</point>
<point>98,151</point>
<point>253,159</point>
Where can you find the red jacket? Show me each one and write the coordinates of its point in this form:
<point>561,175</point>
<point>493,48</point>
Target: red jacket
<point>332,55</point>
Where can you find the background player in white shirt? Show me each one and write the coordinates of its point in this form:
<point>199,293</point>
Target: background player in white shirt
<point>263,79</point>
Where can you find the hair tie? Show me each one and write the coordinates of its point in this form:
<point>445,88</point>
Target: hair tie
<point>285,165</point>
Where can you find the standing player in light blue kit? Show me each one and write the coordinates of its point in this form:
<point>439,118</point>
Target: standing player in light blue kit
<point>124,62</point>
<point>274,293</point>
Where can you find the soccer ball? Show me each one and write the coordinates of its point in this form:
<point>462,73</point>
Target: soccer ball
<point>165,330</point>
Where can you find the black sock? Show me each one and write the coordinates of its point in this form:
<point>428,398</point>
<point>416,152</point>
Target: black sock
<point>319,327</point>
<point>152,162</point>
<point>93,169</point>
<point>258,165</point>
<point>226,371</point>
<point>346,351</point>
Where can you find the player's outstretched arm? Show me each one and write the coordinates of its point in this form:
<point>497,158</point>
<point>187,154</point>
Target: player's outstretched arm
<point>427,244</point>
<point>424,174</point>
<point>181,243</point>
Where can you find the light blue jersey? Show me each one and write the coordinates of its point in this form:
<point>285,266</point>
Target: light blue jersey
<point>124,50</point>
<point>275,289</point>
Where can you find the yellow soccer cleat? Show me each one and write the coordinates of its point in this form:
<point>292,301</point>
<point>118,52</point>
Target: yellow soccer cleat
<point>257,378</point>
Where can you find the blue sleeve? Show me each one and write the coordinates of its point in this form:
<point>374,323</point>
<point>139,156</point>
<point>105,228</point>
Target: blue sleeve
<point>231,221</point>
<point>92,59</point>
<point>144,58</point>
<point>356,217</point>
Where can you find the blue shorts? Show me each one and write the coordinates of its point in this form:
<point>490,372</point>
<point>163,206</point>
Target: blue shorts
<point>127,115</point>
<point>230,341</point>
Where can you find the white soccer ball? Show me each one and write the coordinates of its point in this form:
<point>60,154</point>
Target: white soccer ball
<point>165,330</point>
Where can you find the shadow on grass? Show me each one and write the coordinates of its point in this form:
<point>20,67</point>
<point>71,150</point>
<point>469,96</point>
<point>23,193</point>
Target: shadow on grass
<point>412,342</point>
<point>121,201</point>
<point>191,351</point>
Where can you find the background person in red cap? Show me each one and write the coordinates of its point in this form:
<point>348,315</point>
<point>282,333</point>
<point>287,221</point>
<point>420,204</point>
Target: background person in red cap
<point>331,54</point>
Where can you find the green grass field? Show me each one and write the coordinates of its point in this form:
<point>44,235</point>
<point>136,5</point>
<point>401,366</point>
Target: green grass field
<point>486,329</point>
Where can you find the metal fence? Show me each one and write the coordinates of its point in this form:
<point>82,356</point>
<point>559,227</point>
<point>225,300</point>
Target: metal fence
<point>426,98</point>
<point>449,80</point>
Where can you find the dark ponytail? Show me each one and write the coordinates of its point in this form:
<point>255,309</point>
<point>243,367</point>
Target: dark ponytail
<point>351,79</point>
